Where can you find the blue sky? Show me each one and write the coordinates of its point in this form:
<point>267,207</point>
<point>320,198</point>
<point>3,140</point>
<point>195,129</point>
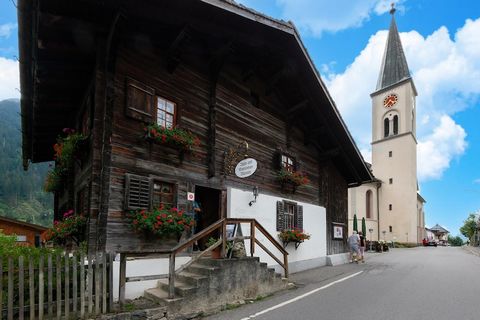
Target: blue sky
<point>346,39</point>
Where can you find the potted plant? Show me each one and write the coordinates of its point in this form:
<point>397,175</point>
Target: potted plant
<point>294,179</point>
<point>174,137</point>
<point>217,252</point>
<point>295,236</point>
<point>161,222</point>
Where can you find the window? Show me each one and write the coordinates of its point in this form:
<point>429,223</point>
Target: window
<point>390,207</point>
<point>140,101</point>
<point>390,180</point>
<point>386,127</point>
<point>37,241</point>
<point>390,154</point>
<point>288,163</point>
<point>289,216</point>
<point>395,125</point>
<point>166,111</point>
<point>144,193</point>
<point>21,238</point>
<point>390,228</point>
<point>368,200</point>
<point>163,193</point>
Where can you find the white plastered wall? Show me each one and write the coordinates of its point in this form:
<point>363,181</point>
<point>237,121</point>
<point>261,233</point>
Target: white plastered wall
<point>310,254</point>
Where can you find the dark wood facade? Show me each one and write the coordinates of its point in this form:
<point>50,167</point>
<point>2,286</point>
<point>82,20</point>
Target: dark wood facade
<point>235,76</point>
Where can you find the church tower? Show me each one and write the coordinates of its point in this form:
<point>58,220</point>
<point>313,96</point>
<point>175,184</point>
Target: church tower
<point>394,144</point>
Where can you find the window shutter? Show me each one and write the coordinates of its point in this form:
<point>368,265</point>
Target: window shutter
<point>137,192</point>
<point>280,216</point>
<point>140,101</point>
<point>299,217</point>
<point>277,160</point>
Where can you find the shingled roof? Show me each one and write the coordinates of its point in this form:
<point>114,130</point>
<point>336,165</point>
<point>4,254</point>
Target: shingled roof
<point>394,64</point>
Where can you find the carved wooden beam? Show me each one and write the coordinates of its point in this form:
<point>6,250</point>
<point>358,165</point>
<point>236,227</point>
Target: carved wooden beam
<point>175,50</point>
<point>215,66</point>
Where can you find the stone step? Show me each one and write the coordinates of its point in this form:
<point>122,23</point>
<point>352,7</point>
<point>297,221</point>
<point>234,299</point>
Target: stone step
<point>181,288</point>
<point>160,296</point>
<point>202,269</point>
<point>194,279</point>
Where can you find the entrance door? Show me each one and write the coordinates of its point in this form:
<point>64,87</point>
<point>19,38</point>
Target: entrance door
<point>210,203</point>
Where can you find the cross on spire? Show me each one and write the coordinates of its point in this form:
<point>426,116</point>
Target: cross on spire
<point>392,11</point>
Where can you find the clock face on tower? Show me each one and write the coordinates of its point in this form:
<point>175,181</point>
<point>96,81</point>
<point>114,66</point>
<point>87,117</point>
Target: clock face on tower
<point>390,100</point>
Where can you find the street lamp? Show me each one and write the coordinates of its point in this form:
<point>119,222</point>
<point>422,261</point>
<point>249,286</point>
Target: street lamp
<point>370,230</point>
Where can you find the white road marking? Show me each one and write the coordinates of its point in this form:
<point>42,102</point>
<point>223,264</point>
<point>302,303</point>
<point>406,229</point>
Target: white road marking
<point>300,297</point>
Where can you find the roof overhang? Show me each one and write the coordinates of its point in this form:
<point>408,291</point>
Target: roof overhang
<point>44,117</point>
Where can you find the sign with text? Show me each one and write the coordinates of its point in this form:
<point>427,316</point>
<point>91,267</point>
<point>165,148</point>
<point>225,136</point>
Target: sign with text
<point>246,168</point>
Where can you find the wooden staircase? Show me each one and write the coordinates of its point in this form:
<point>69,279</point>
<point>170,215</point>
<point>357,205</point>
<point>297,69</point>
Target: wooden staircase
<point>209,284</point>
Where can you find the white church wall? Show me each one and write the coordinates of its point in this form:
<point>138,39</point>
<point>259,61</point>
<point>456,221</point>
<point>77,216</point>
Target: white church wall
<point>358,205</point>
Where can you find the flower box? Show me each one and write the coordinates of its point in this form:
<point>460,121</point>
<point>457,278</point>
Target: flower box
<point>295,236</point>
<point>291,180</point>
<point>161,223</point>
<point>177,138</point>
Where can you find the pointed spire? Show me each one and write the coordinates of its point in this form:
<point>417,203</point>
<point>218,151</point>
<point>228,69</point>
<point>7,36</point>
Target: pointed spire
<point>394,65</point>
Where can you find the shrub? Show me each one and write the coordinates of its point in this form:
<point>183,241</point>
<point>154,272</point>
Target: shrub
<point>70,228</point>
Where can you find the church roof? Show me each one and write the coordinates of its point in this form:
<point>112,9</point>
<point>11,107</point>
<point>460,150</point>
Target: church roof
<point>439,228</point>
<point>394,64</point>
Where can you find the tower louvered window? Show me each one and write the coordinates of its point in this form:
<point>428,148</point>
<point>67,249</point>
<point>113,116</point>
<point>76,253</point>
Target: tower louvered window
<point>386,127</point>
<point>395,125</point>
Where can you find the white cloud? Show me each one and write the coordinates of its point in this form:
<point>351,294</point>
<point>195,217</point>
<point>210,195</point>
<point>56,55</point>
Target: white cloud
<point>6,29</point>
<point>317,16</point>
<point>9,79</point>
<point>446,73</point>
<point>436,151</point>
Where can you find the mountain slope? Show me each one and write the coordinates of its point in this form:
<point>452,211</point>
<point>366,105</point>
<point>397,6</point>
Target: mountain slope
<point>21,193</point>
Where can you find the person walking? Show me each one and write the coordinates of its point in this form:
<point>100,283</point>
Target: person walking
<point>362,246</point>
<point>353,244</point>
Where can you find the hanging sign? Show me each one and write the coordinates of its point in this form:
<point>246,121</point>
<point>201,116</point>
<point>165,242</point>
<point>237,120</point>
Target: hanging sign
<point>190,196</point>
<point>246,168</point>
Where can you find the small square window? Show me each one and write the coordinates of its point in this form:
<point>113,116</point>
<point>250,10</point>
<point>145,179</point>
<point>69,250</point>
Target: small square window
<point>288,163</point>
<point>166,111</point>
<point>390,180</point>
<point>390,154</point>
<point>163,193</point>
<point>390,228</point>
<point>390,207</point>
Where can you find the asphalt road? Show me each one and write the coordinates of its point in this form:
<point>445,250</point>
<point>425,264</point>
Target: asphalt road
<point>419,283</point>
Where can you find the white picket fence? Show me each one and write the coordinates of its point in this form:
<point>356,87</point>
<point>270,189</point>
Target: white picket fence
<point>68,286</point>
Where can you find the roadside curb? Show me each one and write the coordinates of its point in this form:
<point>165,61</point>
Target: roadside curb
<point>472,250</point>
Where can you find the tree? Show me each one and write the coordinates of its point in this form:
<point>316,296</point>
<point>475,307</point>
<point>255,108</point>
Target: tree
<point>455,241</point>
<point>364,227</point>
<point>469,226</point>
<point>355,222</point>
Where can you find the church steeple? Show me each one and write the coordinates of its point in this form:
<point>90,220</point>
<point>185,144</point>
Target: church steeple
<point>394,64</point>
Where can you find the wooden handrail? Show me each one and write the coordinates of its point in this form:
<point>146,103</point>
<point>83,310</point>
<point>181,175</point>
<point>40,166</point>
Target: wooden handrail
<point>220,224</point>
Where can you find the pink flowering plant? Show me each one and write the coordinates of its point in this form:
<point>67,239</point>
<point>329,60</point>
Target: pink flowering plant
<point>71,227</point>
<point>161,221</point>
<point>296,178</point>
<point>175,137</point>
<point>293,235</point>
<point>65,151</point>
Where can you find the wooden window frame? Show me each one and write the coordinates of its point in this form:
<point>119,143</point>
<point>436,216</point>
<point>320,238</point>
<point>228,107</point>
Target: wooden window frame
<point>157,109</point>
<point>148,192</point>
<point>282,216</point>
<point>136,113</point>
<point>284,162</point>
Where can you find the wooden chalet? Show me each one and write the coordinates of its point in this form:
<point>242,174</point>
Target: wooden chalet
<point>240,81</point>
<point>28,234</point>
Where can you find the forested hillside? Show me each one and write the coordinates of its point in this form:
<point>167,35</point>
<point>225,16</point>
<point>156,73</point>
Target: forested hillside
<point>21,192</point>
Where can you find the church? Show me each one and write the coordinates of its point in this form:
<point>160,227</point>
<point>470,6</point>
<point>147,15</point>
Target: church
<point>391,203</point>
